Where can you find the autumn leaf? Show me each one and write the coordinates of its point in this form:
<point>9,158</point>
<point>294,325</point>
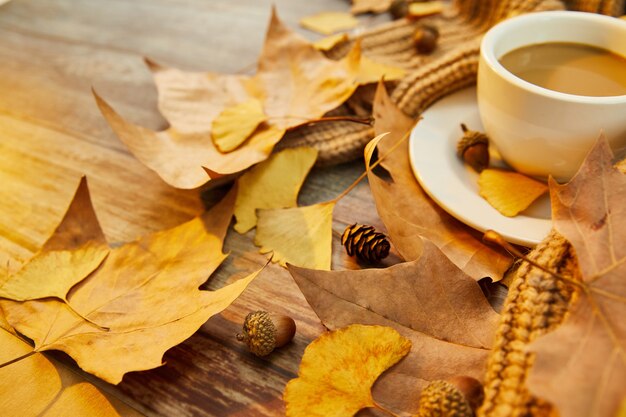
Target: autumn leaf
<point>145,292</point>
<point>440,309</point>
<point>370,6</point>
<point>408,213</point>
<point>372,72</point>
<point>581,366</point>
<point>329,42</point>
<point>509,192</point>
<point>38,386</point>
<point>339,368</point>
<point>294,82</point>
<point>426,8</point>
<point>328,23</point>
<point>236,123</point>
<point>274,183</point>
<point>299,236</point>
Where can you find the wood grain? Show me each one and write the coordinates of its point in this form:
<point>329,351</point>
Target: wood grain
<point>51,53</point>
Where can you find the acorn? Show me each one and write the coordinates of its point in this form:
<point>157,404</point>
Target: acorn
<point>473,149</point>
<point>263,332</point>
<point>399,9</point>
<point>425,39</point>
<point>459,396</point>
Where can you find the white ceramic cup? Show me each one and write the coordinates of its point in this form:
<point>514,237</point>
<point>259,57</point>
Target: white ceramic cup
<point>538,131</point>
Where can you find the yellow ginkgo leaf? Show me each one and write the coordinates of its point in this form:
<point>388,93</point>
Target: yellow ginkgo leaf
<point>372,71</point>
<point>301,236</point>
<point>339,368</point>
<point>328,23</point>
<point>509,192</point>
<point>235,124</point>
<point>274,183</point>
<point>426,8</point>
<point>329,42</point>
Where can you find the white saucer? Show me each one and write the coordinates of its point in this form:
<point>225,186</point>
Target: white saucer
<point>453,185</point>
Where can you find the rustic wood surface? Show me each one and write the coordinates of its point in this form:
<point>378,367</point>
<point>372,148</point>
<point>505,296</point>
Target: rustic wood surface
<point>51,133</point>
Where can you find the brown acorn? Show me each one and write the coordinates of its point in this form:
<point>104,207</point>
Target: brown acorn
<point>459,396</point>
<point>473,149</point>
<point>263,332</point>
<point>399,9</point>
<point>425,39</point>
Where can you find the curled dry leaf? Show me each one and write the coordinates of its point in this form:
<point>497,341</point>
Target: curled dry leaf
<point>581,366</point>
<point>274,183</point>
<point>370,6</point>
<point>328,23</point>
<point>294,81</point>
<point>408,213</point>
<point>339,368</point>
<point>509,192</point>
<point>131,294</point>
<point>299,236</point>
<point>39,386</point>
<point>236,123</point>
<point>440,309</point>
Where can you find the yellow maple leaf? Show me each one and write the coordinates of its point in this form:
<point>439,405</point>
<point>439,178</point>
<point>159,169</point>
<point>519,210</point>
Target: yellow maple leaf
<point>273,183</point>
<point>300,236</point>
<point>339,368</point>
<point>236,123</point>
<point>509,192</point>
<point>328,23</point>
<point>329,42</point>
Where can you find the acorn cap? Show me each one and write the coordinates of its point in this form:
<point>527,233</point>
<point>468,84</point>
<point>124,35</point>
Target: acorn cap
<point>442,398</point>
<point>263,332</point>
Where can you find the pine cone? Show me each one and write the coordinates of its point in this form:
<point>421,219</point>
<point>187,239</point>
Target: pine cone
<point>365,242</point>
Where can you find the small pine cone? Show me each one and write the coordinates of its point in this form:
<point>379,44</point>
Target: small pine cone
<point>457,397</point>
<point>365,242</point>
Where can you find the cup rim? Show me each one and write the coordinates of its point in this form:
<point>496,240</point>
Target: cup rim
<point>490,38</point>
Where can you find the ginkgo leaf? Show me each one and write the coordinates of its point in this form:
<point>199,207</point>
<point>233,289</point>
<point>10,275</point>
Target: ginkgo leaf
<point>131,294</point>
<point>429,301</point>
<point>509,192</point>
<point>372,71</point>
<point>274,183</point>
<point>408,213</point>
<point>236,123</point>
<point>339,368</point>
<point>370,6</point>
<point>300,236</point>
<point>426,8</point>
<point>294,82</point>
<point>37,386</point>
<point>329,42</point>
<point>328,23</point>
<point>581,367</point>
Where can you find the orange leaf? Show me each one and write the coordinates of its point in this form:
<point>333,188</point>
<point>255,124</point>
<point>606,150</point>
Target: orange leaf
<point>328,23</point>
<point>509,192</point>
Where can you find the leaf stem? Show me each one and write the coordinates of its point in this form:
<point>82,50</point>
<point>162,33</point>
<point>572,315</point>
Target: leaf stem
<point>384,410</point>
<point>374,165</point>
<point>24,356</point>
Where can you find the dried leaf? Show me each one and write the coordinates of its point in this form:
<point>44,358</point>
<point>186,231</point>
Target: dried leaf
<point>370,6</point>
<point>509,192</point>
<point>294,82</point>
<point>429,301</point>
<point>37,386</point>
<point>372,72</point>
<point>408,213</point>
<point>300,236</point>
<point>339,368</point>
<point>267,186</point>
<point>425,8</point>
<point>329,42</point>
<point>236,123</point>
<point>131,293</point>
<point>581,366</point>
<point>328,23</point>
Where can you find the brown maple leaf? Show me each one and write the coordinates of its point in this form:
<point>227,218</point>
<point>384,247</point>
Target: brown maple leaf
<point>408,213</point>
<point>294,81</point>
<point>440,309</point>
<point>144,297</point>
<point>581,366</point>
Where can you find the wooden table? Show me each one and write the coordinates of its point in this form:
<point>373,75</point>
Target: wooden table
<point>51,132</point>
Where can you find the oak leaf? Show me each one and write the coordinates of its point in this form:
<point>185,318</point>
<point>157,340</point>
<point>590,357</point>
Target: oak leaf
<point>299,236</point>
<point>339,368</point>
<point>328,23</point>
<point>581,366</point>
<point>38,386</point>
<point>408,213</point>
<point>236,123</point>
<point>509,192</point>
<point>145,293</point>
<point>440,309</point>
<point>294,81</point>
<point>274,183</point>
<point>370,6</point>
